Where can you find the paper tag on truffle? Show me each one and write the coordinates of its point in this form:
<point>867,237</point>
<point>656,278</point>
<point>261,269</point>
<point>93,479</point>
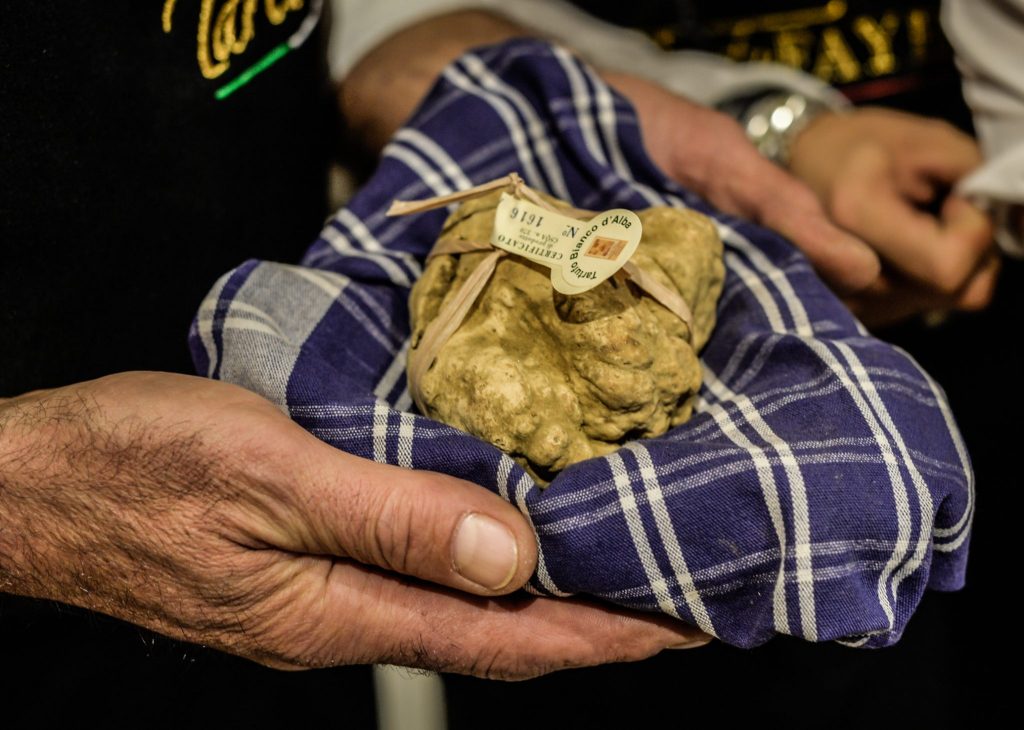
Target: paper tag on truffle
<point>605,244</point>
<point>580,254</point>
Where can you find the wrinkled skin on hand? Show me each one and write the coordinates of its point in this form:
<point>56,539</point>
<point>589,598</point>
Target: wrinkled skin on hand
<point>554,379</point>
<point>197,509</point>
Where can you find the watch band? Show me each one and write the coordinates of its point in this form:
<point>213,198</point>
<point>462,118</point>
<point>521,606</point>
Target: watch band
<point>774,120</point>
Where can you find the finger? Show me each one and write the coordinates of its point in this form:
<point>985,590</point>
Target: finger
<point>913,242</point>
<point>738,180</point>
<point>892,299</point>
<point>887,302</point>
<point>917,189</point>
<point>941,151</point>
<point>978,292</point>
<point>424,524</point>
<point>969,231</point>
<point>779,201</point>
<point>372,617</point>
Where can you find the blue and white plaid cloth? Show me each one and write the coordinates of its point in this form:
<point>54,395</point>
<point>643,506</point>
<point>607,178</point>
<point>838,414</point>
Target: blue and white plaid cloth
<point>821,484</point>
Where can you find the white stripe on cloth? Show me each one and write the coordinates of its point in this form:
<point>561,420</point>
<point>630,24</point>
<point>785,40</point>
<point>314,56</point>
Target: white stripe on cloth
<point>901,500</point>
<point>577,73</point>
<point>411,159</point>
<point>362,235</point>
<point>387,381</point>
<point>359,231</point>
<point>924,497</point>
<point>504,111</point>
<point>241,323</point>
<point>406,434</point>
<point>380,432</point>
<point>756,287</point>
<point>670,543</point>
<point>770,493</point>
<point>340,243</point>
<point>641,543</point>
<point>964,523</point>
<point>798,499</point>
<point>435,153</point>
<point>609,129</point>
<point>697,471</point>
<point>854,643</point>
<point>248,309</point>
<point>404,400</point>
<point>501,477</point>
<point>517,496</point>
<point>773,274</point>
<point>382,429</point>
<point>335,290</point>
<point>581,103</point>
<point>740,567</point>
<point>535,128</point>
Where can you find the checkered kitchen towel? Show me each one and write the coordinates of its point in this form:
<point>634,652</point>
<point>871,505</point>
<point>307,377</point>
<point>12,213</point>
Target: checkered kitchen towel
<point>821,484</point>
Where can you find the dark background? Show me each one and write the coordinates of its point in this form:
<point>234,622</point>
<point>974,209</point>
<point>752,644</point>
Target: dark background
<point>66,667</point>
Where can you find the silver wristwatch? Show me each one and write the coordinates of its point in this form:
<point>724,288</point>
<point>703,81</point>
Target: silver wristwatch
<point>773,121</point>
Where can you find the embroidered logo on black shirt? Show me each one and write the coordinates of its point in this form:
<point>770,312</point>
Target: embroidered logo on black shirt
<point>224,30</point>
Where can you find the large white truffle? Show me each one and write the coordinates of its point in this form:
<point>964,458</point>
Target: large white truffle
<point>554,379</point>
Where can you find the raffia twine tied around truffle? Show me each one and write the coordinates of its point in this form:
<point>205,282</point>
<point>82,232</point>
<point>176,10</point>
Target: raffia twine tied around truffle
<point>454,312</point>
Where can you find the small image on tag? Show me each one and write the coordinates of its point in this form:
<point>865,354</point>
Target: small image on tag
<point>606,248</point>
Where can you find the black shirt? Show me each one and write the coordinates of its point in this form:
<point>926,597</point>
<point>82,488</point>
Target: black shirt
<point>127,186</point>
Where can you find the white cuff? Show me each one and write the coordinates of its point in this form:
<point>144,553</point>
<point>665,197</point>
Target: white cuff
<point>998,186</point>
<point>360,25</point>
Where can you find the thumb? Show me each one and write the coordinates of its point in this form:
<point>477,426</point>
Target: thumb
<point>423,524</point>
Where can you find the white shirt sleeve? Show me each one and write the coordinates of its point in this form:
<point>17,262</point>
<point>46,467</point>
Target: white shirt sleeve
<point>359,25</point>
<point>988,37</point>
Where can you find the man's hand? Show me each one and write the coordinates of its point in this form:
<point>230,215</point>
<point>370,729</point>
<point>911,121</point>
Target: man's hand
<point>708,152</point>
<point>875,170</point>
<point>197,509</point>
<point>850,201</point>
<point>703,149</point>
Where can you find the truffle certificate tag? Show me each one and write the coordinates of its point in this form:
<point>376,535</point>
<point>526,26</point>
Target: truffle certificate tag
<point>580,254</point>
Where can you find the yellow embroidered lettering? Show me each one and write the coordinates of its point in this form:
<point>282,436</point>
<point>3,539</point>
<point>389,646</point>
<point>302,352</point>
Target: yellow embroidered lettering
<point>793,47</point>
<point>248,26</point>
<point>277,12</point>
<point>165,16</point>
<point>224,36</point>
<point>836,61</point>
<point>877,36</point>
<point>226,30</point>
<point>917,32</point>
<point>208,69</point>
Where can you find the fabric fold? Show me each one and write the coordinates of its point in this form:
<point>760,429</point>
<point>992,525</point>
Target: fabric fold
<point>821,485</point>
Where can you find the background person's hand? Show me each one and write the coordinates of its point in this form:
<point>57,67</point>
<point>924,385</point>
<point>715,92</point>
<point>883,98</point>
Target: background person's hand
<point>885,176</point>
<point>701,148</point>
<point>197,509</point>
<point>708,152</point>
